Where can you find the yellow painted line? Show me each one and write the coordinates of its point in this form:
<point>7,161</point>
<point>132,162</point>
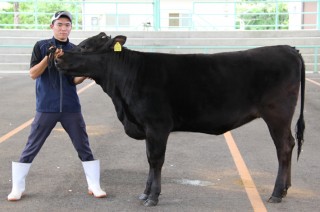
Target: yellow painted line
<point>244,173</point>
<point>28,123</point>
<point>315,82</point>
<point>15,131</point>
<point>86,87</point>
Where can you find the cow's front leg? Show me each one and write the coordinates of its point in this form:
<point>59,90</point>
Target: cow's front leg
<point>144,196</point>
<point>156,148</point>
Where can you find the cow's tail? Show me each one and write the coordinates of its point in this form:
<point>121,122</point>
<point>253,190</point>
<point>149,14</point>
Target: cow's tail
<point>300,126</point>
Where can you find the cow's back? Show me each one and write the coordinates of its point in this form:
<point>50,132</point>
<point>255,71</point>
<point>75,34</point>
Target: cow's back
<point>213,93</point>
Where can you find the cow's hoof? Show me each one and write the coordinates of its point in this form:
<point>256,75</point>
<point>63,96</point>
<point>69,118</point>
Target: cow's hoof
<point>150,203</point>
<point>284,193</point>
<point>143,197</point>
<point>275,199</point>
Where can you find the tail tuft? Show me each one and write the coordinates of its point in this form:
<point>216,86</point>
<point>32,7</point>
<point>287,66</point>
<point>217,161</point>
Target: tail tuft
<point>299,133</point>
<point>300,124</point>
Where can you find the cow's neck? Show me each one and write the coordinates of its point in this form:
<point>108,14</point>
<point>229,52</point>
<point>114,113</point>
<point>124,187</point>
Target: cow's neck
<point>120,78</point>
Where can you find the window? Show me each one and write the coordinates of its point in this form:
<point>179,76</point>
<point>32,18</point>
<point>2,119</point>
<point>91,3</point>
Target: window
<point>174,19</point>
<point>120,20</point>
<point>110,20</point>
<point>179,20</point>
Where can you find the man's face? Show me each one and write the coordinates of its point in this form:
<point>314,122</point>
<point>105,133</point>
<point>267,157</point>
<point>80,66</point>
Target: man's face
<point>61,28</point>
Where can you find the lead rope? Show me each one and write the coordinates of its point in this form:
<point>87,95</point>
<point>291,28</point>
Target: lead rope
<point>51,66</point>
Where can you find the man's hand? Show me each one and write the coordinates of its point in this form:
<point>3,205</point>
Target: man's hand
<point>51,50</point>
<point>58,53</point>
<point>78,80</point>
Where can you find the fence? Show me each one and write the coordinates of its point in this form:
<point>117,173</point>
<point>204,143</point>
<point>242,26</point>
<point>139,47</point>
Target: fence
<point>156,15</point>
<point>16,45</point>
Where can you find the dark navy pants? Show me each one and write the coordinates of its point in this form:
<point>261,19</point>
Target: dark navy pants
<point>42,126</point>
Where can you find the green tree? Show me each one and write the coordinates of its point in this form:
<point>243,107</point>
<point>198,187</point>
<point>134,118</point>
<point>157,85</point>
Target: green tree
<point>37,14</point>
<point>265,15</point>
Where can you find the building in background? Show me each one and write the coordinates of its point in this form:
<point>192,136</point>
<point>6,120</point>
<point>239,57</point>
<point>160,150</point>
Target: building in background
<point>204,15</point>
<point>309,17</point>
<point>120,14</point>
<point>166,15</point>
<point>155,14</point>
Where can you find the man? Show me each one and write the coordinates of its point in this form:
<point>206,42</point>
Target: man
<point>56,101</point>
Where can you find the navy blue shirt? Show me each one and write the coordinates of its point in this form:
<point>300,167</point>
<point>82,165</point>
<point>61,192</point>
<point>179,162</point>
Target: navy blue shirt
<point>55,92</point>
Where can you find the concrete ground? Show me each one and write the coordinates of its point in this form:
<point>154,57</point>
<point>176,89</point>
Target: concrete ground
<point>199,173</point>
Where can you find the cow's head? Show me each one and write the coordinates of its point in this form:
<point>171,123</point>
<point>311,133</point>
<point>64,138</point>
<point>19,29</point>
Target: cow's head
<point>93,44</point>
<point>89,57</point>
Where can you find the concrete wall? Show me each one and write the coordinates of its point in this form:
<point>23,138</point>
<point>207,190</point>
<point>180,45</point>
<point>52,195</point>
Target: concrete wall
<point>16,45</point>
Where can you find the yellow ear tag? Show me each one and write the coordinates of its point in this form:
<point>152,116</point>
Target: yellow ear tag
<point>117,47</point>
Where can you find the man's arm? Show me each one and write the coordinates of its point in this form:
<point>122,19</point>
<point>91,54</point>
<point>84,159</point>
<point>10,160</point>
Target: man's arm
<point>78,80</point>
<point>38,69</point>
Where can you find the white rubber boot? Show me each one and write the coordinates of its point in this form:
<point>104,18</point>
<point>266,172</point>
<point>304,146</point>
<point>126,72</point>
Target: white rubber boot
<point>19,174</point>
<point>92,171</point>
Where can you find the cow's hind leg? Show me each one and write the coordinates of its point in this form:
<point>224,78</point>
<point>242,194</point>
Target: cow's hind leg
<point>156,147</point>
<point>279,124</point>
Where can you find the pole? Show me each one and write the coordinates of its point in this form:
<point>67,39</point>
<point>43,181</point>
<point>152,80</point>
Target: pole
<point>156,15</point>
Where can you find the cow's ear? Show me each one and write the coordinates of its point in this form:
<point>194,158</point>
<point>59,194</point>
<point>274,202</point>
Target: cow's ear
<point>118,42</point>
<point>121,39</point>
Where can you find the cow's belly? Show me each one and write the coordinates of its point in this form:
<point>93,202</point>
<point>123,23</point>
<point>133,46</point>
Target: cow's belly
<point>134,131</point>
<point>217,123</point>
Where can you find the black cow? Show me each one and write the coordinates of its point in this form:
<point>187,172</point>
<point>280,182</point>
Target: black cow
<point>155,94</point>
